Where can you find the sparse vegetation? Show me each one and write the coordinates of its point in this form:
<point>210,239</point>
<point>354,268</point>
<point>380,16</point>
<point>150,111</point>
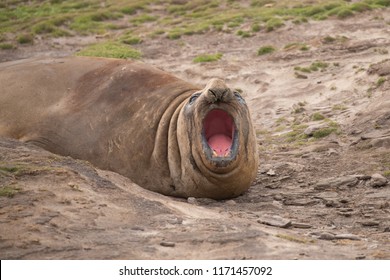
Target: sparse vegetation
<point>9,191</point>
<point>51,18</point>
<point>207,58</point>
<point>315,66</point>
<point>265,50</point>
<point>110,49</point>
<point>6,46</point>
<point>317,117</point>
<point>25,39</point>
<point>380,81</point>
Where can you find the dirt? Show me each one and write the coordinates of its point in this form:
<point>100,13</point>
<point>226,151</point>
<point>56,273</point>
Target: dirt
<point>314,198</point>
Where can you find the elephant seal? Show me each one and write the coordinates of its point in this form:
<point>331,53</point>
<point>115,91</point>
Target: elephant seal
<point>163,133</point>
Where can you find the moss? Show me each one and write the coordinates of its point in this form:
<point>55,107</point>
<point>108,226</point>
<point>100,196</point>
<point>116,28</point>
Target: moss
<point>207,58</point>
<point>111,50</point>
<point>265,50</point>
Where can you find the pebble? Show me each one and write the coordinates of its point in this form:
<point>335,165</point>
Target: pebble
<point>271,172</point>
<point>370,223</point>
<point>377,180</point>
<point>192,200</point>
<point>167,244</point>
<point>300,225</point>
<point>275,221</point>
<point>326,236</point>
<point>230,202</point>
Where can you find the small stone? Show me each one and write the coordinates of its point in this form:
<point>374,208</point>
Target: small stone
<point>347,236</point>
<point>370,223</point>
<point>360,257</point>
<point>300,225</point>
<point>275,221</point>
<point>377,180</point>
<point>192,200</point>
<point>230,202</point>
<point>167,244</point>
<point>326,236</point>
<point>271,172</point>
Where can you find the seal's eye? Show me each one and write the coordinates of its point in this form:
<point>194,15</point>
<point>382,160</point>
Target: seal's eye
<point>193,98</point>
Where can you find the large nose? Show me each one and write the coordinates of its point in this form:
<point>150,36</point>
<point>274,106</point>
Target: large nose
<point>217,91</point>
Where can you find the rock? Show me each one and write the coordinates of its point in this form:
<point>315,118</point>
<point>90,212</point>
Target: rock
<point>347,236</point>
<point>230,202</point>
<point>167,244</point>
<point>275,221</point>
<point>271,172</point>
<point>349,181</point>
<point>377,180</point>
<point>300,202</point>
<point>324,235</point>
<point>300,225</point>
<point>370,223</point>
<point>192,200</point>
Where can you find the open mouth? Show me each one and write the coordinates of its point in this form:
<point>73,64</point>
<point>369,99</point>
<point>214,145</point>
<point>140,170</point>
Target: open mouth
<point>219,133</point>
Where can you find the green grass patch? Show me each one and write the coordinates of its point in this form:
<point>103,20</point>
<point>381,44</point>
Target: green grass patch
<point>131,40</point>
<point>315,66</point>
<point>273,23</point>
<point>7,46</point>
<point>317,117</point>
<point>297,46</point>
<point>57,18</point>
<point>380,81</point>
<point>25,39</point>
<point>266,50</point>
<point>207,58</point>
<point>111,50</point>
<point>244,34</point>
<point>9,191</point>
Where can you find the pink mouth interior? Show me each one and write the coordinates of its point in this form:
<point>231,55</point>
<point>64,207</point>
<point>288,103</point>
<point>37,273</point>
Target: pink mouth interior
<point>218,131</point>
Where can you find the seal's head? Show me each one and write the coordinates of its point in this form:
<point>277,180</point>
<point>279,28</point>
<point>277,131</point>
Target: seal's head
<point>217,144</point>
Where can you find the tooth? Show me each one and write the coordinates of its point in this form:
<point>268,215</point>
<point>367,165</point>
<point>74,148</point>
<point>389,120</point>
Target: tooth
<point>215,153</point>
<point>227,154</point>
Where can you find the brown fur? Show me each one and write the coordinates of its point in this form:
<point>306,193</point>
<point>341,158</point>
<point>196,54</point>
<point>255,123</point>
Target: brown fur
<point>122,116</point>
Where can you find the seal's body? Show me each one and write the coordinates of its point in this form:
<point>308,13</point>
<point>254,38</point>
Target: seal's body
<point>165,134</point>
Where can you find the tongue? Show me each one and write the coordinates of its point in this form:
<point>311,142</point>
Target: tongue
<point>220,144</point>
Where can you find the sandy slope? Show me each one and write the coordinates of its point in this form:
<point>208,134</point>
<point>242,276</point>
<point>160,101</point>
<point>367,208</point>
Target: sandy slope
<point>312,199</point>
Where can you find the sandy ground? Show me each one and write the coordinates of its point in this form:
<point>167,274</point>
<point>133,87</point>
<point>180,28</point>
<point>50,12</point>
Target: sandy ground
<point>322,198</point>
